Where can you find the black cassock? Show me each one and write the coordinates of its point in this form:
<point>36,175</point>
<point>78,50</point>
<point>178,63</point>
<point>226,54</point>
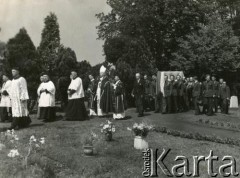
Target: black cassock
<point>119,102</point>
<point>106,103</point>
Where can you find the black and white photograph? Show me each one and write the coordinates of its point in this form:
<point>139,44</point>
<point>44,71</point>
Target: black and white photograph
<point>119,88</point>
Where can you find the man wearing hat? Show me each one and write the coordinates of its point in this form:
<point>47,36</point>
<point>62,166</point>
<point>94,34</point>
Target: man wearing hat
<point>5,104</point>
<point>19,97</point>
<point>104,94</point>
<point>46,93</point>
<point>76,110</point>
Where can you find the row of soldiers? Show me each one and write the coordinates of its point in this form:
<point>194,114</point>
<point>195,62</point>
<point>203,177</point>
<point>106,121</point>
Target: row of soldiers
<point>181,94</point>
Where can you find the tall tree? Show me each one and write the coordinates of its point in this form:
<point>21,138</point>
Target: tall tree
<point>50,43</point>
<point>213,49</point>
<point>157,23</point>
<point>21,52</point>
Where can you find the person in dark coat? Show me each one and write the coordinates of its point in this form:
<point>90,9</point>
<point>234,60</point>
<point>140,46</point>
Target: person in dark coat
<point>104,94</point>
<point>224,94</point>
<point>219,100</point>
<point>215,93</point>
<point>208,96</point>
<point>174,85</point>
<point>196,95</point>
<point>119,103</point>
<point>154,99</point>
<point>147,97</point>
<point>139,92</point>
<point>167,108</point>
<point>189,92</point>
<point>180,94</point>
<point>92,88</point>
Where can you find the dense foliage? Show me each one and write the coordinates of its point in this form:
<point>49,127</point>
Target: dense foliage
<point>22,53</point>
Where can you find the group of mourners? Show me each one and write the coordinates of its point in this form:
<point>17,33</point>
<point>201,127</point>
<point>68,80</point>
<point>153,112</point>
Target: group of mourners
<point>181,94</point>
<point>106,97</point>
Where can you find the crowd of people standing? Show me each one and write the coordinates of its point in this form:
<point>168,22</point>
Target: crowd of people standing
<point>181,94</point>
<point>107,97</point>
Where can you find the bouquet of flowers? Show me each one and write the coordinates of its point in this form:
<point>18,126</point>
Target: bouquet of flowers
<point>141,129</point>
<point>108,127</point>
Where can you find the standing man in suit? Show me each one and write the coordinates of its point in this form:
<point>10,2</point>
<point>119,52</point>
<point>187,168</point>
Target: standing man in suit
<point>208,96</point>
<point>180,93</point>
<point>219,99</point>
<point>196,94</point>
<point>139,92</point>
<point>167,104</point>
<point>224,94</point>
<point>215,93</point>
<point>174,85</point>
<point>147,97</point>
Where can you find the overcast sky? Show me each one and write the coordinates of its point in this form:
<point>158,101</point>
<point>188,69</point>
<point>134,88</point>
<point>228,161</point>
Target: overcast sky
<point>76,19</point>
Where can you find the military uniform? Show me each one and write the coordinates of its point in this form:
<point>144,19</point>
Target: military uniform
<point>174,96</point>
<point>139,92</point>
<point>216,95</point>
<point>167,108</point>
<point>196,94</point>
<point>180,93</point>
<point>147,96</point>
<point>224,94</point>
<point>208,93</point>
<point>154,98</point>
<point>189,94</point>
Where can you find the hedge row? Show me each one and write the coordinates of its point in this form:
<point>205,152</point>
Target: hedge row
<point>226,125</point>
<point>198,136</point>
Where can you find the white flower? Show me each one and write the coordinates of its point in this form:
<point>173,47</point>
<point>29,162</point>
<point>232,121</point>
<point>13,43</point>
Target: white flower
<point>33,139</point>
<point>109,122</point>
<point>128,128</point>
<point>113,129</point>
<point>42,140</point>
<point>135,125</point>
<point>13,153</point>
<point>37,145</point>
<point>16,138</point>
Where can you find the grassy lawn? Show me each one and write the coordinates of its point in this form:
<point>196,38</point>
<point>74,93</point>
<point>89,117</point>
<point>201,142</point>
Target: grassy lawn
<point>63,153</point>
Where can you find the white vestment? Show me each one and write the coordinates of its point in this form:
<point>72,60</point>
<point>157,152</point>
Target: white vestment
<point>19,96</point>
<point>76,84</point>
<point>99,110</point>
<point>46,99</point>
<point>5,100</point>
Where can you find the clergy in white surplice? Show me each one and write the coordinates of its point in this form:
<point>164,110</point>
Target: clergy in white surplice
<point>5,104</point>
<point>46,93</point>
<point>76,110</point>
<point>19,97</point>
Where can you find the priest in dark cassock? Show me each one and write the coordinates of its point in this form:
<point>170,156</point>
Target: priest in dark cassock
<point>76,110</point>
<point>46,93</point>
<point>19,97</point>
<point>119,109</point>
<point>104,94</point>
